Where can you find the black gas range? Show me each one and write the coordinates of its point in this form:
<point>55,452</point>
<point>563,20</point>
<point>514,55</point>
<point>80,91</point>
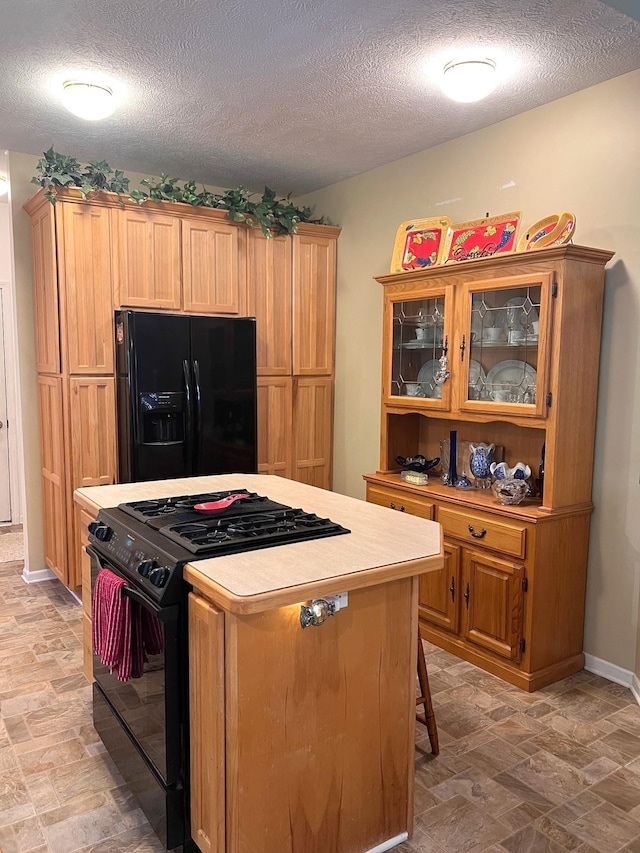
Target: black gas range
<point>151,540</point>
<point>144,721</point>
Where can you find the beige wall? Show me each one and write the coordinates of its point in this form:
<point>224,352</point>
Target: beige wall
<point>581,154</point>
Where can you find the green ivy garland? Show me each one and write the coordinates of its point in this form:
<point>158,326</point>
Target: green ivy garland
<point>270,213</point>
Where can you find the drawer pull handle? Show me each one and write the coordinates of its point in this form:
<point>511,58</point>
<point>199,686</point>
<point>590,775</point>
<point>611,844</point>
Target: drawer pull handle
<point>452,588</point>
<point>477,534</point>
<point>399,508</point>
<point>466,596</point>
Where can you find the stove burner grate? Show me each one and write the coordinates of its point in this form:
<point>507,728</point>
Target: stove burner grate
<point>222,535</point>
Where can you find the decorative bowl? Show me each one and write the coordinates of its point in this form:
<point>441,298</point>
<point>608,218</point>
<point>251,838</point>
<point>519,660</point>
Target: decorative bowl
<point>417,463</point>
<point>501,471</point>
<point>510,490</point>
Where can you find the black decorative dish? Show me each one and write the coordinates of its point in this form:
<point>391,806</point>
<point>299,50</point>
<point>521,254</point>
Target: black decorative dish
<point>417,463</point>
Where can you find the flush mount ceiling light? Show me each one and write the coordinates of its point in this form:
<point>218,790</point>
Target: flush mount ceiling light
<point>88,100</point>
<point>4,184</point>
<point>469,79</point>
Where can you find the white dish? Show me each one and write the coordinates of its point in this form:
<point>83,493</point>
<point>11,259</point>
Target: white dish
<point>425,376</point>
<point>517,375</point>
<point>415,344</point>
<point>477,376</point>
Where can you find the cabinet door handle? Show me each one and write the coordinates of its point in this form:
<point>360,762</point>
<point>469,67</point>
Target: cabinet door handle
<point>463,346</point>
<point>477,534</point>
<point>452,588</point>
<point>466,596</point>
<point>399,508</point>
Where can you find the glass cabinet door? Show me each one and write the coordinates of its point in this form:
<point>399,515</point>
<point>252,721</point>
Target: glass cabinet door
<point>505,341</point>
<point>419,335</point>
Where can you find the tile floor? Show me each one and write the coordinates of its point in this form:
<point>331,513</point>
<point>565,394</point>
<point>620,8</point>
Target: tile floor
<point>554,771</point>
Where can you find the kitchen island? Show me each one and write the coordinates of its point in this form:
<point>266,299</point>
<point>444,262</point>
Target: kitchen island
<point>301,740</point>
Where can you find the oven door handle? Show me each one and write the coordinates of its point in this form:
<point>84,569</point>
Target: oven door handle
<point>163,614</point>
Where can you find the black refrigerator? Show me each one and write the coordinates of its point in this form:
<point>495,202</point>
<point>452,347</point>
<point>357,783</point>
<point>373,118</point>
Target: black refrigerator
<point>186,390</point>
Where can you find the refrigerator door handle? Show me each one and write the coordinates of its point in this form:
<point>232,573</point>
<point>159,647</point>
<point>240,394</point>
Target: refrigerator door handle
<point>189,439</point>
<point>198,417</point>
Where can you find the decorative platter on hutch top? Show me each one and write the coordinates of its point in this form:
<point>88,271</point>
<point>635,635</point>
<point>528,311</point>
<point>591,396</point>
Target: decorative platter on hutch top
<point>554,230</point>
<point>420,243</point>
<point>482,238</point>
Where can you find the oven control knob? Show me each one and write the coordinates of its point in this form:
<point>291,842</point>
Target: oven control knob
<point>158,577</point>
<point>101,531</point>
<point>145,567</point>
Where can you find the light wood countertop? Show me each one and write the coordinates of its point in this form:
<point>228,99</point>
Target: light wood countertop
<point>383,544</point>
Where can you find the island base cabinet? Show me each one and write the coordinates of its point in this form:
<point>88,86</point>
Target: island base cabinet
<point>319,724</point>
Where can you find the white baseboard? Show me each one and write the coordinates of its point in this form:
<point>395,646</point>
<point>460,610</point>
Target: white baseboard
<point>635,688</point>
<point>608,670</point>
<point>389,844</point>
<point>37,576</point>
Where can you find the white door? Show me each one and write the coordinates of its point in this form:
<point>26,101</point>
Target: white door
<point>5,493</point>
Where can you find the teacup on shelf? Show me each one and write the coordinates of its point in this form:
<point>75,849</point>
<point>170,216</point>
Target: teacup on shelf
<point>493,333</point>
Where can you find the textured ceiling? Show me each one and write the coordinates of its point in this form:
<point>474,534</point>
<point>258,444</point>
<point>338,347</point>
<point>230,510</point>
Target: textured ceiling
<point>296,94</point>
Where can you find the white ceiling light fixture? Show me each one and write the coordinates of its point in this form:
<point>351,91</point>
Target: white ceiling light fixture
<point>89,101</point>
<point>4,184</point>
<point>468,80</point>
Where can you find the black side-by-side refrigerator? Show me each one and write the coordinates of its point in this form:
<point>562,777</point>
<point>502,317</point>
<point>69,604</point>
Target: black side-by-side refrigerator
<point>186,392</point>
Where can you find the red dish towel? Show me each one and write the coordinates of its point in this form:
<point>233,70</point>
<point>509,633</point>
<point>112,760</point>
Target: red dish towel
<point>111,627</point>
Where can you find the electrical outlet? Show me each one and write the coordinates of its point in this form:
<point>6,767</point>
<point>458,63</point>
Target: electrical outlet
<point>339,600</point>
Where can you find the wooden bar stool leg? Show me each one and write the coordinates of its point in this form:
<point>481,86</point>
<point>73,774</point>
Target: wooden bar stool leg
<point>428,718</point>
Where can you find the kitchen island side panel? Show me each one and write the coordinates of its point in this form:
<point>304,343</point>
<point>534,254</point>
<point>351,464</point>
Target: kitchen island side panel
<point>319,725</point>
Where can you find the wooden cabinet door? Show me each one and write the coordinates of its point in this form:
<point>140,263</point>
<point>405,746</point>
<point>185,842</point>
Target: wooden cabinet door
<point>494,603</point>
<point>440,592</point>
<point>45,281</point>
<point>206,715</point>
<point>54,505</point>
<point>147,259</point>
<point>269,300</point>
<point>314,294</point>
<point>210,281</point>
<point>313,435</point>
<point>92,416</point>
<point>86,292</point>
<point>275,414</point>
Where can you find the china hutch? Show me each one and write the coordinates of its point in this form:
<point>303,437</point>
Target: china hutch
<point>521,338</point>
<point>93,256</point>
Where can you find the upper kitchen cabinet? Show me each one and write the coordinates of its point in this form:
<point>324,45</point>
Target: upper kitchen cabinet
<point>73,285</point>
<point>269,300</point>
<point>147,253</point>
<point>45,275</point>
<point>210,266</point>
<point>183,259</point>
<point>314,299</point>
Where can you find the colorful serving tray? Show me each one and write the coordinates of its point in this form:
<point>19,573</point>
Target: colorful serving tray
<point>554,230</point>
<point>420,243</point>
<point>483,238</point>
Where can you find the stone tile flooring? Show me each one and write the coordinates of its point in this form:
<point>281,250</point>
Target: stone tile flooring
<point>549,772</point>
